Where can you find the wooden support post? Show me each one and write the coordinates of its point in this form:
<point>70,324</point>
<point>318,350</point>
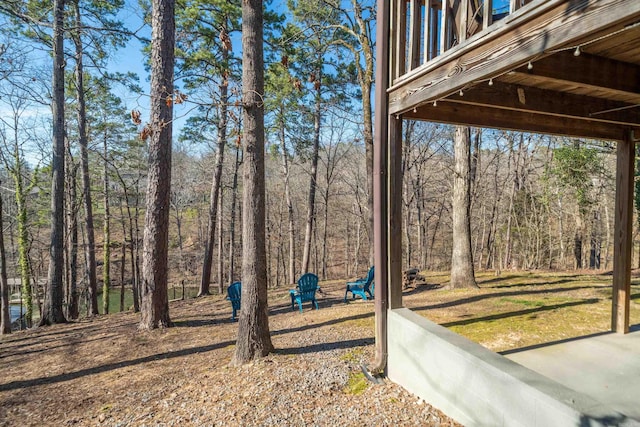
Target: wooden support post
<point>464,20</point>
<point>487,13</point>
<point>434,32</point>
<point>415,22</point>
<point>623,235</point>
<point>380,150</point>
<point>399,32</point>
<point>428,30</point>
<point>395,212</point>
<point>444,27</point>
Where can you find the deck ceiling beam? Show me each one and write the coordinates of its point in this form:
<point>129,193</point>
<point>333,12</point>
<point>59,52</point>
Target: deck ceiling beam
<point>534,100</point>
<point>604,77</point>
<point>471,115</point>
<point>502,51</point>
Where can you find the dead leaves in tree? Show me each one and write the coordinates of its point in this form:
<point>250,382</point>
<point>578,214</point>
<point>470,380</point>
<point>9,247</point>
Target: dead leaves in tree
<point>176,98</point>
<point>225,40</point>
<point>145,132</point>
<point>135,117</point>
<point>284,61</point>
<point>297,84</point>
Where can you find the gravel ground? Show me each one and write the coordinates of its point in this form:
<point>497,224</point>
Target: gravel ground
<point>102,371</point>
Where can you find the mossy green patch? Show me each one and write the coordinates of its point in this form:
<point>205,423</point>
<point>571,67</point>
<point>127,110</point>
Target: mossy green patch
<point>357,384</point>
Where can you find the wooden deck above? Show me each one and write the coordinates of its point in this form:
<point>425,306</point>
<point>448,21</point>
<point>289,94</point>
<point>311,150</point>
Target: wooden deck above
<point>569,67</point>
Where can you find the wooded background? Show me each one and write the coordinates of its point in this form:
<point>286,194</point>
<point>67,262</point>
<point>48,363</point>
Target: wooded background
<point>537,202</point>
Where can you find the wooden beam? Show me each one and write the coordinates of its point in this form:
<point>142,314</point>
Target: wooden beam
<point>623,235</point>
<point>534,100</point>
<point>607,78</point>
<point>517,42</point>
<point>394,199</point>
<point>463,114</point>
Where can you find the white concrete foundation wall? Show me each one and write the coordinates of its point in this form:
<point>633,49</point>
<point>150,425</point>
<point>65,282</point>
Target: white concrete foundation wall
<point>478,387</point>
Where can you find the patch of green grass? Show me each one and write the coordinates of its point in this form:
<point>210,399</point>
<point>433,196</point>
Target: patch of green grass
<point>526,303</point>
<point>353,356</point>
<point>357,384</point>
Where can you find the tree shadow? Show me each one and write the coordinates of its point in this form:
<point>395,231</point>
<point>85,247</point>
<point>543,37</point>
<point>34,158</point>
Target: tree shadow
<point>72,341</point>
<point>68,376</point>
<point>520,312</point>
<point>547,344</point>
<point>423,288</point>
<point>320,347</point>
<point>521,285</point>
<point>482,297</point>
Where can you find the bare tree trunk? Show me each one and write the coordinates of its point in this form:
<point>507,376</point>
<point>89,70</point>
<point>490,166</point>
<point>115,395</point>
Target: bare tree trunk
<point>205,280</point>
<point>287,195</point>
<point>155,301</point>
<point>53,311</point>
<point>462,274</point>
<point>254,339</point>
<point>90,250</point>
<point>220,246</point>
<point>232,224</point>
<point>72,231</point>
<point>106,270</point>
<point>311,201</point>
<point>123,255</point>
<point>5,310</point>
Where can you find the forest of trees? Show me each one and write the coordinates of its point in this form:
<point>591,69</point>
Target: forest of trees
<point>536,202</point>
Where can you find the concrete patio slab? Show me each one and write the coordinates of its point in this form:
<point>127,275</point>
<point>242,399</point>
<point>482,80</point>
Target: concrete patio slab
<point>605,367</point>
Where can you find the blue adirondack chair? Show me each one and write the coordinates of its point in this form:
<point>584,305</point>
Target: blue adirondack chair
<point>234,291</point>
<point>361,287</point>
<point>305,291</point>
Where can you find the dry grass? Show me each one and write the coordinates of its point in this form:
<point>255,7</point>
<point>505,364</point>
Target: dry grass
<point>102,371</point>
<point>520,309</point>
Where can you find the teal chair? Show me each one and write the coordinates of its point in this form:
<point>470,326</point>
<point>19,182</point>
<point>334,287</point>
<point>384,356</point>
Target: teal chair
<point>234,291</point>
<point>305,291</point>
<point>361,287</point>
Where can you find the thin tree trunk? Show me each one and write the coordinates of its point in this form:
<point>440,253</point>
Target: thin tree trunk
<point>205,279</point>
<point>124,258</point>
<point>155,301</point>
<point>254,339</point>
<point>221,246</point>
<point>73,309</point>
<point>90,250</point>
<point>287,195</point>
<point>232,225</point>
<point>53,311</point>
<point>106,271</point>
<point>462,273</point>
<point>5,310</point>
<point>311,201</point>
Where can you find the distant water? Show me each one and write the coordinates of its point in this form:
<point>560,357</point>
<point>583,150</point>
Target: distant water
<point>15,312</point>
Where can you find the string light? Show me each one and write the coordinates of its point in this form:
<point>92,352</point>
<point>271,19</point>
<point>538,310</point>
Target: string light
<point>530,66</point>
<point>435,103</point>
<point>415,109</point>
<point>461,92</point>
<point>577,51</point>
<point>490,82</point>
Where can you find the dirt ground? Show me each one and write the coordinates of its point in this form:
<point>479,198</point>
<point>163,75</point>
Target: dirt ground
<point>102,371</point>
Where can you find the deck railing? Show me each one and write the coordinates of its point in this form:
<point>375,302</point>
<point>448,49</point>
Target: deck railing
<point>425,29</point>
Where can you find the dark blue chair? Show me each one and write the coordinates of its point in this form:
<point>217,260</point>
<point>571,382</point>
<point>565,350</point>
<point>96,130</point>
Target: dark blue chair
<point>361,287</point>
<point>305,291</point>
<point>234,291</point>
